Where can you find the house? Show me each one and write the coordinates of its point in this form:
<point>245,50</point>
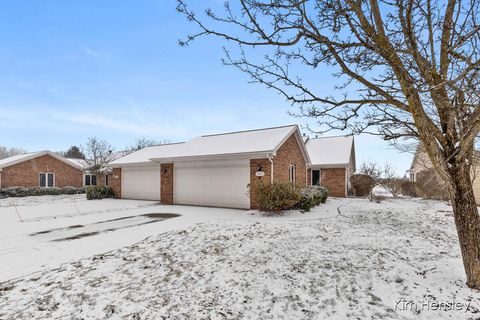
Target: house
<point>421,162</point>
<point>217,170</point>
<point>213,170</point>
<point>40,169</point>
<point>332,163</point>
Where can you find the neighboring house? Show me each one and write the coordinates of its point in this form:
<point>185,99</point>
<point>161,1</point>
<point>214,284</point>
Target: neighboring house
<point>216,170</point>
<point>422,162</point>
<point>40,169</point>
<point>213,170</point>
<point>332,163</point>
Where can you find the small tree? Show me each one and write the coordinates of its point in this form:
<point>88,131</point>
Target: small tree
<point>98,153</point>
<point>9,152</point>
<point>143,142</point>
<point>390,181</point>
<point>74,152</point>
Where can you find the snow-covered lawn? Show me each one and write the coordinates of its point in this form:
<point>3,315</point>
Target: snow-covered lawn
<point>350,258</point>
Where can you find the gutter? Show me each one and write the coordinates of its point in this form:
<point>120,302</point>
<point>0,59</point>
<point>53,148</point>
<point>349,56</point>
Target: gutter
<point>269,156</point>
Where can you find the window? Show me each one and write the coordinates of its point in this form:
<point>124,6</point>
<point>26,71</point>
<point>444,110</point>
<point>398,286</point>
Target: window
<point>413,177</point>
<point>47,180</point>
<point>90,180</point>
<point>292,170</point>
<point>106,180</point>
<point>315,177</point>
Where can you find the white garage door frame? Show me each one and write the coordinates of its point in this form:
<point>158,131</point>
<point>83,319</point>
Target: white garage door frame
<point>141,182</point>
<point>222,183</point>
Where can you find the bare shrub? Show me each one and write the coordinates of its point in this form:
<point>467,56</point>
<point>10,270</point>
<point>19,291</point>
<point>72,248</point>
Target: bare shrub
<point>408,188</point>
<point>430,186</point>
<point>362,184</point>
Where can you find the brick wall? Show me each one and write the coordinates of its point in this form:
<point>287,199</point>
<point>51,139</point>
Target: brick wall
<point>166,187</point>
<point>115,181</point>
<point>255,181</point>
<point>289,153</point>
<point>334,180</point>
<point>26,174</point>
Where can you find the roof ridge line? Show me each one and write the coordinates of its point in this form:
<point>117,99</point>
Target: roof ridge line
<point>251,130</point>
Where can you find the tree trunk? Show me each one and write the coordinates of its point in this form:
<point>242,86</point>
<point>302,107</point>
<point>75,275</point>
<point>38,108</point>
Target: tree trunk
<point>467,222</point>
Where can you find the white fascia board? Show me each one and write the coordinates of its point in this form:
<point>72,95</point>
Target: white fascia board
<point>250,155</point>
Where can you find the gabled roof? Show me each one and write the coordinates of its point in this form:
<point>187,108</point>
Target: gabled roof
<point>80,162</point>
<point>331,151</point>
<point>241,143</point>
<point>144,155</point>
<point>10,161</point>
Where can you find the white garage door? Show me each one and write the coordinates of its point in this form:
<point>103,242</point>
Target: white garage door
<point>141,183</point>
<point>222,184</point>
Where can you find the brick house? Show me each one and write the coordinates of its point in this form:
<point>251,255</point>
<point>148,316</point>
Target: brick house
<point>39,169</point>
<point>217,170</point>
<point>332,163</point>
<point>213,170</point>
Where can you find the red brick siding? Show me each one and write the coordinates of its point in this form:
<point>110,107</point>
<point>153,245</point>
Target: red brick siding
<point>115,181</point>
<point>334,180</point>
<point>289,153</point>
<point>166,186</point>
<point>255,181</point>
<point>25,174</point>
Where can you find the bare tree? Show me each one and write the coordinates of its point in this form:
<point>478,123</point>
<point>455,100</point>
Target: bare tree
<point>143,142</point>
<point>390,180</point>
<point>9,152</point>
<point>98,153</point>
<point>412,67</point>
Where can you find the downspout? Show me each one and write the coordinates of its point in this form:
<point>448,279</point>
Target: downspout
<point>346,180</point>
<point>269,156</point>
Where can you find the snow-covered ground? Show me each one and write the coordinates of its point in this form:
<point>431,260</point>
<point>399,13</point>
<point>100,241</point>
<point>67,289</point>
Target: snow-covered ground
<point>349,258</point>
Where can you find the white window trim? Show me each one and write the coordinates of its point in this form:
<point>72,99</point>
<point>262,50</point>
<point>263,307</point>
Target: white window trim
<point>46,179</point>
<point>292,173</point>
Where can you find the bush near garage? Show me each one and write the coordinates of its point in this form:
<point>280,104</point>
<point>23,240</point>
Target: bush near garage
<point>277,196</point>
<point>362,184</point>
<point>38,191</point>
<point>281,196</point>
<point>99,192</point>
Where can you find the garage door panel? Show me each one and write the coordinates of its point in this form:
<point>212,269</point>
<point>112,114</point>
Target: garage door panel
<point>221,186</point>
<point>141,183</point>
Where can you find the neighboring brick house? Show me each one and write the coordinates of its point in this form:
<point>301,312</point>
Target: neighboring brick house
<point>213,170</point>
<point>333,163</point>
<point>39,169</point>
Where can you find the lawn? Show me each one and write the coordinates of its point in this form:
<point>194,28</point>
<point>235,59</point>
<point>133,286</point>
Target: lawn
<point>349,259</point>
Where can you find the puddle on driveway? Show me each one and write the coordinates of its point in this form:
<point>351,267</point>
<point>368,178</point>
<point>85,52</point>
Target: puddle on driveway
<point>96,228</point>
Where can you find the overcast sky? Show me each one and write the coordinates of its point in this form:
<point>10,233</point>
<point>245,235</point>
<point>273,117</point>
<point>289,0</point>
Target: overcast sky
<point>70,70</point>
